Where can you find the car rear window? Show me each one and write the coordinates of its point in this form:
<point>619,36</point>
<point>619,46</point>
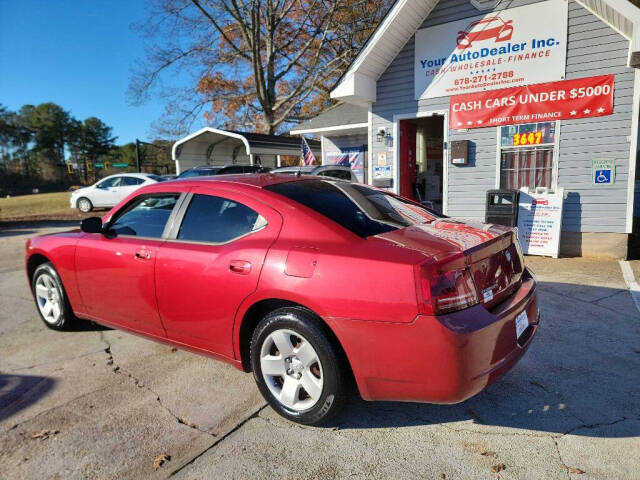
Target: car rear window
<point>218,220</point>
<point>362,210</point>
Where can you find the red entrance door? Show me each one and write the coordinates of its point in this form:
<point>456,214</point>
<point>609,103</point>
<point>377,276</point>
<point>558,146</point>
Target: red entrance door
<point>407,159</point>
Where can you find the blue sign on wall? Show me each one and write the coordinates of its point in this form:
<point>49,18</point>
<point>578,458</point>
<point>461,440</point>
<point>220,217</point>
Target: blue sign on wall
<point>602,176</point>
<point>603,171</point>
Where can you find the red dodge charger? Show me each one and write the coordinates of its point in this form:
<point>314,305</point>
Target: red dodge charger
<point>308,282</point>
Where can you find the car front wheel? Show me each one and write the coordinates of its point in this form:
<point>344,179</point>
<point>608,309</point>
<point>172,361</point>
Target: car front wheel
<point>51,299</point>
<point>84,205</point>
<point>297,368</point>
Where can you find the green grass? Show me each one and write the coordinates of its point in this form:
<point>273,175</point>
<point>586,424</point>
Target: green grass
<point>40,205</point>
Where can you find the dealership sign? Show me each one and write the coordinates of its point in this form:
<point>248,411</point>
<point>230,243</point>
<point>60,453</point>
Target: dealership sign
<point>510,47</point>
<point>579,98</point>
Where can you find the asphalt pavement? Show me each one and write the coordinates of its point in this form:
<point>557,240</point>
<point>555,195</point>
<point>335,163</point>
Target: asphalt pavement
<point>99,403</point>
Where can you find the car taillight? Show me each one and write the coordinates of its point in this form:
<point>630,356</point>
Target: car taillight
<point>445,287</point>
<point>516,241</point>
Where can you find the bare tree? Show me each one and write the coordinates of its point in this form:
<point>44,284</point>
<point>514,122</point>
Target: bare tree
<point>251,64</point>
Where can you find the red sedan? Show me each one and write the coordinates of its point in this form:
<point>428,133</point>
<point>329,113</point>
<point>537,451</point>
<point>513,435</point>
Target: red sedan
<point>305,281</point>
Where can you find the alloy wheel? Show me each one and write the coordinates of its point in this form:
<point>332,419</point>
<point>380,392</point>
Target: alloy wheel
<point>48,298</point>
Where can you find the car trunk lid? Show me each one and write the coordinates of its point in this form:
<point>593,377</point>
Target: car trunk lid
<point>491,253</point>
<point>496,267</point>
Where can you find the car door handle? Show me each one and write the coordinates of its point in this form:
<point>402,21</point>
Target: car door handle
<point>240,267</point>
<point>143,254</point>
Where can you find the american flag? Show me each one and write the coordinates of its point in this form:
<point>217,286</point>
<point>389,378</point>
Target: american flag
<point>308,158</point>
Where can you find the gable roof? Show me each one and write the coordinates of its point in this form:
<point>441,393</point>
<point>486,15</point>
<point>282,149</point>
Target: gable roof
<point>358,84</point>
<point>341,117</point>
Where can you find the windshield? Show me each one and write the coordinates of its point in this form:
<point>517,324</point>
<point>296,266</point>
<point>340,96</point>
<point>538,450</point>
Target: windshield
<point>363,210</point>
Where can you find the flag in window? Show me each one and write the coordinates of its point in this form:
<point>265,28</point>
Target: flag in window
<point>308,158</point>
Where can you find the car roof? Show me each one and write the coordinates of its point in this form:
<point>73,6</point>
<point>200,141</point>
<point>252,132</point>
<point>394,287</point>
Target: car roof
<point>134,174</point>
<point>310,168</point>
<point>218,167</point>
<point>332,167</point>
<point>304,168</point>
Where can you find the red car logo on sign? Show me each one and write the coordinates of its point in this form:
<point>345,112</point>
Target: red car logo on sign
<point>485,29</point>
<point>540,201</point>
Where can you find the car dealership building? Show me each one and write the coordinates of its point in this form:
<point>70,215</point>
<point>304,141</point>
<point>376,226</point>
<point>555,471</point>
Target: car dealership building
<point>465,96</point>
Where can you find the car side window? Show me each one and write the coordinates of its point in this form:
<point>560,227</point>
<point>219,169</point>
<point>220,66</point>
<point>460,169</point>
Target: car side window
<point>204,173</point>
<point>131,181</point>
<point>110,182</point>
<point>188,174</point>
<point>214,219</point>
<point>146,217</point>
<point>231,170</point>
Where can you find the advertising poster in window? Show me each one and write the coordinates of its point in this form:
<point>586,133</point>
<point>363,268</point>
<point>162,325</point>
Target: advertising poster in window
<point>539,223</point>
<point>348,157</point>
<point>517,46</point>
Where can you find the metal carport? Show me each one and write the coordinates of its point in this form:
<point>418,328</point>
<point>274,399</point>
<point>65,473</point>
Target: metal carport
<point>211,146</point>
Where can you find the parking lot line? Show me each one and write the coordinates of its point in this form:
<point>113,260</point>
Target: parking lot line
<point>630,280</point>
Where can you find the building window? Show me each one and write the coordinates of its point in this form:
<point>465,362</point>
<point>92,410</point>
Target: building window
<point>526,155</point>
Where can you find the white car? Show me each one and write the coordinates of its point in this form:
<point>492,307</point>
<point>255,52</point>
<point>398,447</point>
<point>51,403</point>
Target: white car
<point>110,190</point>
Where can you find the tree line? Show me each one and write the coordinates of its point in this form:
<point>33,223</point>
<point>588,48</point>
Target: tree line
<point>44,144</point>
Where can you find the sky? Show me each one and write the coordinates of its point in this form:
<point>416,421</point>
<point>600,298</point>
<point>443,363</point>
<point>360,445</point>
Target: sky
<point>78,54</point>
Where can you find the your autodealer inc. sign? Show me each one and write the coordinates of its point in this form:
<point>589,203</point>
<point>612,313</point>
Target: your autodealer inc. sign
<point>517,46</point>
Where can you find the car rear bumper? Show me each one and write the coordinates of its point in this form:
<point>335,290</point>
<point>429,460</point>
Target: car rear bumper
<point>440,359</point>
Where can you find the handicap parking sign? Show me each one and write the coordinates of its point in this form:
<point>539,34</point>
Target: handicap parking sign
<point>603,171</point>
<point>602,176</point>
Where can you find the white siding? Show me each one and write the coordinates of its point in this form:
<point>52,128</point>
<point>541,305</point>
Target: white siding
<point>593,49</point>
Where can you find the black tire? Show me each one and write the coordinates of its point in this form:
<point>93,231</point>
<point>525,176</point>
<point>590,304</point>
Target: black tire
<point>311,328</point>
<point>46,273</point>
<point>81,202</point>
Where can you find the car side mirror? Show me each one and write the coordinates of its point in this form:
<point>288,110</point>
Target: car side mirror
<point>91,225</point>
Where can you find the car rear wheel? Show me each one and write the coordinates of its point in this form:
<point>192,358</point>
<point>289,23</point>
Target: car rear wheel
<point>51,299</point>
<point>84,205</point>
<point>296,366</point>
